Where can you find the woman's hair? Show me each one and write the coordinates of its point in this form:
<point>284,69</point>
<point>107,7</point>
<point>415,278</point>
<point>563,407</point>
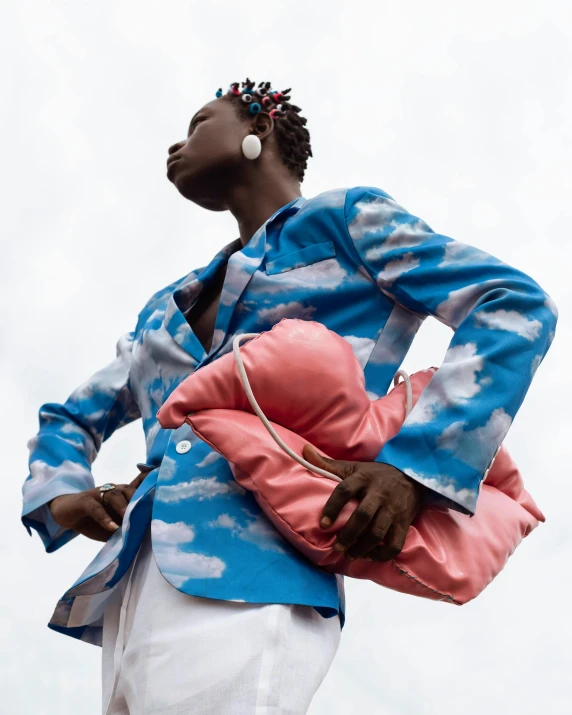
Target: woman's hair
<point>292,137</point>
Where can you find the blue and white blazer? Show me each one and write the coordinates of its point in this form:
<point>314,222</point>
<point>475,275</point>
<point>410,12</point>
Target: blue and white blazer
<point>358,262</point>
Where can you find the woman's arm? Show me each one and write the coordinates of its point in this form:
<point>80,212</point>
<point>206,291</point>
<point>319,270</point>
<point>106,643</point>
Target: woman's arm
<point>504,323</point>
<point>69,439</point>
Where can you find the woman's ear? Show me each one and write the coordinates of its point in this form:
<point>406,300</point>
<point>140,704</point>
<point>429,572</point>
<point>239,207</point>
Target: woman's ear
<point>262,125</point>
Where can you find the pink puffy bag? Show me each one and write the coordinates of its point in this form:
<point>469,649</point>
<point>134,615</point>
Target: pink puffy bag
<point>301,382</point>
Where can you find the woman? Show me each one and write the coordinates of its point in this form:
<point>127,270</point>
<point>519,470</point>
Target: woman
<point>228,617</point>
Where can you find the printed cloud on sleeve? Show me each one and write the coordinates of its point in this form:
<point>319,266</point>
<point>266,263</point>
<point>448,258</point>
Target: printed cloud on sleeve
<point>453,384</point>
<point>510,320</point>
<point>396,268</point>
<point>473,443</point>
<point>371,215</point>
<point>362,347</point>
<point>43,474</point>
<point>457,253</point>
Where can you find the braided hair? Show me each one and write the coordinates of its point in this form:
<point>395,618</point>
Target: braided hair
<point>292,137</point>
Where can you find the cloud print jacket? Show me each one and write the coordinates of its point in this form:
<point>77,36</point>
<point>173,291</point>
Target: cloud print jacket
<point>358,262</point>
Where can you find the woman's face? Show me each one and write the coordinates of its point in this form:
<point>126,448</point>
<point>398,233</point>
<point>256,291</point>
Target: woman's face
<point>209,161</point>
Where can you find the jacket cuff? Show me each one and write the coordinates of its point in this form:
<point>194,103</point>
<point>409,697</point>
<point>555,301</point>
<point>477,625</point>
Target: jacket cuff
<point>39,517</point>
<point>440,491</point>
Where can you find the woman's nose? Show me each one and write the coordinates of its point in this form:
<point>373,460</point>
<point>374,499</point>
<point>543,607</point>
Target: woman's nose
<point>173,148</point>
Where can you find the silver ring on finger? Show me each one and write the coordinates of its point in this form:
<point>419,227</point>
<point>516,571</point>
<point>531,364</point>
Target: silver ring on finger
<point>105,488</point>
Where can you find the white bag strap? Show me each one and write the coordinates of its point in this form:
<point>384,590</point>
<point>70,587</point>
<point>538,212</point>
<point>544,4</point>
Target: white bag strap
<point>266,423</point>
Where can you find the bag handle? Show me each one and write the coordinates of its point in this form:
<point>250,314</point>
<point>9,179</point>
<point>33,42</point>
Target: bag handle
<point>266,423</point>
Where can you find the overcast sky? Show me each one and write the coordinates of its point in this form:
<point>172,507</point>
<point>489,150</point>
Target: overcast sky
<point>461,111</point>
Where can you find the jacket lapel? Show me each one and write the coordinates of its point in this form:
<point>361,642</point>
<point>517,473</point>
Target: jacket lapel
<point>241,267</point>
<point>182,298</point>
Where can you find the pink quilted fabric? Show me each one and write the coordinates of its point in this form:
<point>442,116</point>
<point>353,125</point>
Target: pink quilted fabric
<point>309,384</point>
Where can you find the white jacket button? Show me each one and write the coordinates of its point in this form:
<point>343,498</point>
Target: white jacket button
<point>183,446</point>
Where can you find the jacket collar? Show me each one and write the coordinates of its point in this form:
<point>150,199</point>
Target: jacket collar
<point>241,265</point>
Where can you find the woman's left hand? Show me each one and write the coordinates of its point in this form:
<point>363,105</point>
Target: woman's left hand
<point>390,501</point>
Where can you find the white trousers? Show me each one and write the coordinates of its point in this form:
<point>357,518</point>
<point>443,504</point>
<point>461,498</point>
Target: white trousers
<point>168,653</point>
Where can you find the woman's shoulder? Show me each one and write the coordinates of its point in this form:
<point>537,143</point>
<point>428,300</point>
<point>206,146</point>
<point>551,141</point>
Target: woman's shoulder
<point>342,199</point>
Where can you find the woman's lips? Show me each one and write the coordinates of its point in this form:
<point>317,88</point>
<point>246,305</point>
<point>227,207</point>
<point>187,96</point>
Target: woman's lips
<point>170,164</point>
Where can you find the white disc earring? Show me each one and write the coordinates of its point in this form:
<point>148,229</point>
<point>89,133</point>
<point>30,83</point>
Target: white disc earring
<point>251,146</point>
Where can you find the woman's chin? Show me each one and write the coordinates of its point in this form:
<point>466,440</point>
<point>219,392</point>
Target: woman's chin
<point>194,190</point>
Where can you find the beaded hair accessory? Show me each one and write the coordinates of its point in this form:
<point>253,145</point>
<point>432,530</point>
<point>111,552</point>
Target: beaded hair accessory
<point>263,96</point>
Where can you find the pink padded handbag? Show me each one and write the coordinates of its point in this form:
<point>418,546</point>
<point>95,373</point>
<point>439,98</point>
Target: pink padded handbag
<point>310,387</point>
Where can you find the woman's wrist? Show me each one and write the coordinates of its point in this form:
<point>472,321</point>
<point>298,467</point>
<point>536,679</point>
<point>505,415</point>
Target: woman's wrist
<point>52,502</point>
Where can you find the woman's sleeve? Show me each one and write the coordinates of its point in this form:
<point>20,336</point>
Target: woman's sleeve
<point>504,323</point>
<point>69,439</point>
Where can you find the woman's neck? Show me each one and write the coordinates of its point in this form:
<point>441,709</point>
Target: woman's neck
<point>253,201</point>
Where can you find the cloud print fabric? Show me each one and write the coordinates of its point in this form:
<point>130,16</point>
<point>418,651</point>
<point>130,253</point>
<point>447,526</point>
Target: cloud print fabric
<point>359,263</point>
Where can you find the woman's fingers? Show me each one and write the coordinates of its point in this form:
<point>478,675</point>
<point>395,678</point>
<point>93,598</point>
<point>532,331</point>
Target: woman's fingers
<point>100,516</point>
<point>357,527</point>
<point>92,530</point>
<point>139,478</point>
<point>376,532</point>
<point>394,542</point>
<point>110,508</point>
<point>116,500</point>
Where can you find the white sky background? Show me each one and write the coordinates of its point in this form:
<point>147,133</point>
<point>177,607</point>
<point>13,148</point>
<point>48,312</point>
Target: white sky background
<point>461,111</point>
